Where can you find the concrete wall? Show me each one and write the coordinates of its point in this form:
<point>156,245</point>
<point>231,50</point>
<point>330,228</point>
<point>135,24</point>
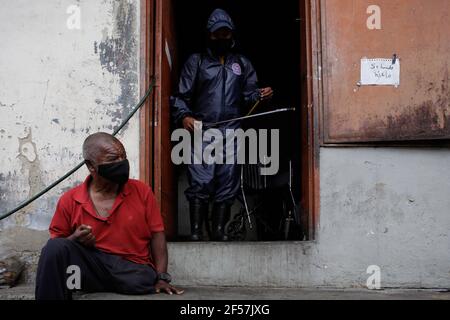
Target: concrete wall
<point>385,207</point>
<point>57,86</point>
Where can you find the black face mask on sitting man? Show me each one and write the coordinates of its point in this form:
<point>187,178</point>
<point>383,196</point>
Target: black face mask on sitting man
<point>117,172</point>
<point>221,46</point>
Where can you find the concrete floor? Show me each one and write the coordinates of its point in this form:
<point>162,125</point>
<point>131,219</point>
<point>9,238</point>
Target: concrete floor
<point>246,293</point>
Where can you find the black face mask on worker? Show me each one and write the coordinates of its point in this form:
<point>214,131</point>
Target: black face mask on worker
<point>221,46</point>
<point>117,172</point>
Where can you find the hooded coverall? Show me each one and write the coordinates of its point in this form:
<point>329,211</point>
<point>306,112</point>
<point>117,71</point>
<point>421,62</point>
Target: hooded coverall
<point>210,91</point>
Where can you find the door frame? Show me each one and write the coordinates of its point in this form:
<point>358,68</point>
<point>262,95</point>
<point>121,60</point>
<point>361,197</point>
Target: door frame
<point>311,102</point>
<point>146,114</point>
<point>153,159</point>
<point>311,93</point>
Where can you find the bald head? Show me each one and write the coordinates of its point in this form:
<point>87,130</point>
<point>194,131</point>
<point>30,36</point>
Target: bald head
<point>103,147</point>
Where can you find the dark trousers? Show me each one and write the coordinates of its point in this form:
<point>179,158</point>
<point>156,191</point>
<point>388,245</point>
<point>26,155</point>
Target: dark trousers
<point>214,181</point>
<point>99,271</point>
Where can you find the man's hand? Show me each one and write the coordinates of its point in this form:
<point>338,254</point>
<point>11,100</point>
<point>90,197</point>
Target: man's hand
<point>164,287</point>
<point>265,93</point>
<point>188,123</point>
<point>83,234</point>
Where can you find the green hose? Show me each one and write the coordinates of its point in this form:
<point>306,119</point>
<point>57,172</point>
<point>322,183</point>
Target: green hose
<point>54,184</point>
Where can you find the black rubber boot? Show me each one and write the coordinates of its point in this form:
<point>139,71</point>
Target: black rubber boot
<point>197,211</point>
<point>220,217</point>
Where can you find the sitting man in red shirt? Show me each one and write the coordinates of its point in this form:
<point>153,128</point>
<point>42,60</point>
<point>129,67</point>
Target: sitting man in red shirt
<point>109,228</point>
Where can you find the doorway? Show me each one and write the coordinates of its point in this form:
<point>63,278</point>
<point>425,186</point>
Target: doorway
<point>274,37</point>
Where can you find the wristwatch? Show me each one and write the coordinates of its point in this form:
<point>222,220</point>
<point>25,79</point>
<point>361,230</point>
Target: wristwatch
<point>164,276</point>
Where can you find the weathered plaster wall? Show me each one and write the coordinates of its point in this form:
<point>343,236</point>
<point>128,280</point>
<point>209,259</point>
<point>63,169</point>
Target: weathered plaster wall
<point>388,207</point>
<point>57,86</point>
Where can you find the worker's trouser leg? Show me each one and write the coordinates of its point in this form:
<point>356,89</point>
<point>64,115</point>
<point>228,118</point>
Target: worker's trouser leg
<point>212,180</point>
<point>99,272</point>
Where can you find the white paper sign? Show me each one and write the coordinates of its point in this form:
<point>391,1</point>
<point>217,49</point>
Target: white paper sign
<point>380,72</point>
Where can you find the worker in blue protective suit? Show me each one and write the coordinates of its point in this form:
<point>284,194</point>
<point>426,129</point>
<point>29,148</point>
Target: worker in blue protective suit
<point>214,86</point>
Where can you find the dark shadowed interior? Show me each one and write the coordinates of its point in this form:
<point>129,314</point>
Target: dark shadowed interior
<point>268,33</point>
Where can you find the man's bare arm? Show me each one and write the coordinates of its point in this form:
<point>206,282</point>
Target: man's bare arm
<point>158,247</point>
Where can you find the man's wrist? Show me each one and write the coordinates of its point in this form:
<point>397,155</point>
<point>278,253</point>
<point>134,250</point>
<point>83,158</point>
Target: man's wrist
<point>164,276</point>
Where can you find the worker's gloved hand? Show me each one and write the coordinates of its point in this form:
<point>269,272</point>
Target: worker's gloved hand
<point>188,123</point>
<point>83,234</point>
<point>265,93</point>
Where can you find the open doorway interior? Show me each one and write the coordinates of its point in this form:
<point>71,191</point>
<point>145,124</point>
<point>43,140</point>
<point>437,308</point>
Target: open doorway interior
<point>268,33</point>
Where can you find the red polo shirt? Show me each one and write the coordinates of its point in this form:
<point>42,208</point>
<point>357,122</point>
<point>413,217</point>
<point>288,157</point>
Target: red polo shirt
<point>127,230</point>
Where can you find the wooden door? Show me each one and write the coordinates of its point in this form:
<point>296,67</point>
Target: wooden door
<point>418,33</point>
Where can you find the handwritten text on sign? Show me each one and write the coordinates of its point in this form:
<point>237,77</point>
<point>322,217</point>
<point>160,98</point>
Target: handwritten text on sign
<point>380,72</point>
